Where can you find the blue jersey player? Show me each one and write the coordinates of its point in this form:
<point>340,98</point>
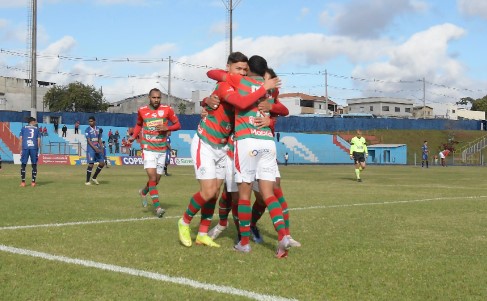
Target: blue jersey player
<point>168,153</point>
<point>425,152</point>
<point>94,151</point>
<point>31,144</point>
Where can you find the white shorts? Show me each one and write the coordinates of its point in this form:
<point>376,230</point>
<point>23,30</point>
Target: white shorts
<point>442,156</point>
<point>255,185</point>
<point>230,176</point>
<point>255,159</point>
<point>209,162</point>
<point>154,160</point>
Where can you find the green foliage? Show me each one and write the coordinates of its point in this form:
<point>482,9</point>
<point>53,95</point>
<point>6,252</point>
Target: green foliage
<point>479,104</point>
<point>182,108</point>
<point>75,97</point>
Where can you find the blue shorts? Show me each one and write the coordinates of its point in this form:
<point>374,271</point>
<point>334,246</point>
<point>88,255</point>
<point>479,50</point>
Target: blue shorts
<point>425,157</point>
<point>30,152</point>
<point>168,158</point>
<point>92,157</point>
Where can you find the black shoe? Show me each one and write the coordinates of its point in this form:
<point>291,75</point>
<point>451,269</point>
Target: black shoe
<point>256,234</point>
<point>167,175</point>
<point>359,180</point>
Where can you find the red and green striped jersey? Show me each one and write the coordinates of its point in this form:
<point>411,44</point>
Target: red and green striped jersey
<point>149,118</point>
<point>215,128</point>
<point>244,119</point>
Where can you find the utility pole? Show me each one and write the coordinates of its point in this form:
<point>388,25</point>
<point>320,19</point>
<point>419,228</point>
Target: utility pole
<point>424,99</point>
<point>326,92</point>
<point>230,6</point>
<point>169,98</point>
<point>33,57</point>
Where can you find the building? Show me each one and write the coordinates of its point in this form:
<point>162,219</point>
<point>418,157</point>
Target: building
<point>382,106</point>
<point>300,104</point>
<point>132,104</point>
<point>423,112</point>
<point>15,94</point>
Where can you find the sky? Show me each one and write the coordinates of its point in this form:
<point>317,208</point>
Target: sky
<point>430,51</point>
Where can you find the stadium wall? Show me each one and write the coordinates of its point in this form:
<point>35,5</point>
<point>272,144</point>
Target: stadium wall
<point>293,124</point>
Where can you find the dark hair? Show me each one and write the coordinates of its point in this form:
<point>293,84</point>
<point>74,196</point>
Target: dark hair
<point>92,118</point>
<point>30,119</point>
<point>154,90</point>
<point>237,57</point>
<point>271,72</point>
<point>258,65</point>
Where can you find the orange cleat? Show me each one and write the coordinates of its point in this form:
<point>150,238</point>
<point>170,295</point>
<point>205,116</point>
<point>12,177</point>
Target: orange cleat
<point>22,184</point>
<point>33,184</point>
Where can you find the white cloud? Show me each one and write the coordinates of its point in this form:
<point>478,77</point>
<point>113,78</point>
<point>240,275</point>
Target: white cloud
<point>473,7</point>
<point>425,54</point>
<point>365,18</point>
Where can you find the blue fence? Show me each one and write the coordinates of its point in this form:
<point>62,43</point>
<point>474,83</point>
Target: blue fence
<point>293,124</point>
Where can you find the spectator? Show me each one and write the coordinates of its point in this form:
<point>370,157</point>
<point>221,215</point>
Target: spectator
<point>286,158</point>
<point>116,141</point>
<point>44,131</point>
<point>110,133</point>
<point>41,131</point>
<point>64,130</point>
<point>56,125</point>
<point>110,144</point>
<point>76,127</point>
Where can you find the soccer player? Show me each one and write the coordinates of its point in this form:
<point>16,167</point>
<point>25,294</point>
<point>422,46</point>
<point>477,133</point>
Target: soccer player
<point>94,151</point>
<point>255,158</point>
<point>168,154</point>
<point>153,120</point>
<point>31,145</point>
<point>425,152</point>
<point>208,153</point>
<point>358,153</point>
<point>443,154</point>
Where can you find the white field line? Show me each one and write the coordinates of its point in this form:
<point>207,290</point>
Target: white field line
<point>140,273</point>
<point>293,209</point>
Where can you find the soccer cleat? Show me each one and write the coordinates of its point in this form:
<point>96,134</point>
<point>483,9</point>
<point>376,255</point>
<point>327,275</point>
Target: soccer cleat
<point>160,212</point>
<point>167,175</point>
<point>22,184</point>
<point>184,233</point>
<point>256,235</point>
<point>359,180</point>
<point>95,181</point>
<point>88,183</point>
<point>33,184</point>
<point>283,247</point>
<point>293,243</point>
<point>216,231</point>
<point>143,198</point>
<point>205,240</point>
<point>244,249</point>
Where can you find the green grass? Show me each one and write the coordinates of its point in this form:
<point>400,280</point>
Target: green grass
<point>405,233</point>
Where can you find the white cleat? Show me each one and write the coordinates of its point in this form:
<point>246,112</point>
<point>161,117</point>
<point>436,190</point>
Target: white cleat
<point>95,181</point>
<point>216,231</point>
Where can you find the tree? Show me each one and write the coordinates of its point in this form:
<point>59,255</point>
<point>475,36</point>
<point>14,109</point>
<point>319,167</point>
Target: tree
<point>479,104</point>
<point>75,97</point>
<point>182,108</point>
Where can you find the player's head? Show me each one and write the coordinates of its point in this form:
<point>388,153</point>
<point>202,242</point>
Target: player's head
<point>258,65</point>
<point>425,141</point>
<point>271,73</point>
<point>91,120</point>
<point>237,63</point>
<point>359,133</point>
<point>155,97</point>
<point>31,121</point>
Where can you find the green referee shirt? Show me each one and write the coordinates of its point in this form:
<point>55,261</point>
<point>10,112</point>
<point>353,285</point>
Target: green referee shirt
<point>358,145</point>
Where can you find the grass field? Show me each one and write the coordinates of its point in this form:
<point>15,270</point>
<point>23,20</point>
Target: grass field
<point>405,233</point>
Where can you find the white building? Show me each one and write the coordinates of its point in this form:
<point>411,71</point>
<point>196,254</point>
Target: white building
<point>15,94</point>
<point>454,112</point>
<point>300,104</point>
<point>382,106</point>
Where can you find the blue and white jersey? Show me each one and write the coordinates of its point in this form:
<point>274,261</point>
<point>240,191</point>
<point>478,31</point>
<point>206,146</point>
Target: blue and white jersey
<point>30,136</point>
<point>92,134</point>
